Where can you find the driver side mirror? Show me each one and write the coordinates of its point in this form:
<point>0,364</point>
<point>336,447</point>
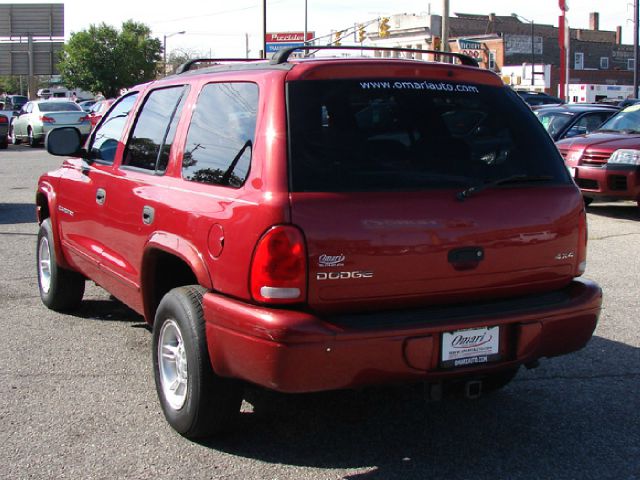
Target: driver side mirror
<point>64,142</point>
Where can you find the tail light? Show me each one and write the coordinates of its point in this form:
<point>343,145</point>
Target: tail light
<point>3,119</point>
<point>279,267</point>
<point>84,119</point>
<point>583,235</point>
<point>45,119</point>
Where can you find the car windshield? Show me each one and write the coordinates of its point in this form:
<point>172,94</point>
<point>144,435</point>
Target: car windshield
<point>59,107</point>
<point>357,135</point>
<point>627,120</point>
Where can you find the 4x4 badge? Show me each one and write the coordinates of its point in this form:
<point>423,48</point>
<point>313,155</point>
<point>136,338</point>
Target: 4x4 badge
<point>331,260</point>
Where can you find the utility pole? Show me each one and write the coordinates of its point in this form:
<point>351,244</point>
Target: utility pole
<point>636,67</point>
<point>445,25</point>
<point>264,29</point>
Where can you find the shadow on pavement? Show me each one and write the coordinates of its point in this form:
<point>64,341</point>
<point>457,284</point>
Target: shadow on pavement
<point>13,213</point>
<point>553,426</point>
<point>625,211</point>
<point>110,310</point>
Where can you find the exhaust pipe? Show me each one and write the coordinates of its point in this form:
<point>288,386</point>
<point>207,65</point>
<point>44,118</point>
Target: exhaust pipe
<point>473,389</point>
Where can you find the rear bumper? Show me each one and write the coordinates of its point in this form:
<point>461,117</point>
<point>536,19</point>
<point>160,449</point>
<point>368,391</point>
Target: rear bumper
<point>620,182</point>
<point>293,351</point>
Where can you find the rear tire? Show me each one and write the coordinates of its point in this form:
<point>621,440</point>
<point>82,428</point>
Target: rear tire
<point>196,402</point>
<point>60,289</point>
<point>33,142</point>
<point>4,144</point>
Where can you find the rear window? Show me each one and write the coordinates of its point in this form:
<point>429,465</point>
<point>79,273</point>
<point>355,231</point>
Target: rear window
<point>59,107</point>
<point>356,135</point>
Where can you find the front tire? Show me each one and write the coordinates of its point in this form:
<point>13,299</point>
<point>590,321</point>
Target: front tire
<point>60,289</point>
<point>196,402</point>
<point>14,138</point>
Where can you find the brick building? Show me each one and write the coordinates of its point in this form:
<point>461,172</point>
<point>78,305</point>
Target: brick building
<point>596,56</point>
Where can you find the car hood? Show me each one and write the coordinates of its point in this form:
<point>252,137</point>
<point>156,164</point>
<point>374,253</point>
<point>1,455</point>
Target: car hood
<point>605,141</point>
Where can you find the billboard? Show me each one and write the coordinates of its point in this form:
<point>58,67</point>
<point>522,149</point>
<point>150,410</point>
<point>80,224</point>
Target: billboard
<point>35,19</point>
<point>279,40</point>
<point>14,58</point>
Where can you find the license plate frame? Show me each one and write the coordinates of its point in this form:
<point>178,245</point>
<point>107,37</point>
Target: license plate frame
<point>471,346</point>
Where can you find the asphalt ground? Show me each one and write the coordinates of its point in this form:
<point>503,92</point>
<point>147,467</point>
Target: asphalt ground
<point>77,399</point>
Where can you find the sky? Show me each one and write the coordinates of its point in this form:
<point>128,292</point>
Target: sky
<point>220,29</point>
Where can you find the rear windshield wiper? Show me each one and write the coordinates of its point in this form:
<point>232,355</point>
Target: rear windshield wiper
<point>520,178</point>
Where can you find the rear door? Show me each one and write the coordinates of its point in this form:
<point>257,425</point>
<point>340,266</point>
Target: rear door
<point>414,192</point>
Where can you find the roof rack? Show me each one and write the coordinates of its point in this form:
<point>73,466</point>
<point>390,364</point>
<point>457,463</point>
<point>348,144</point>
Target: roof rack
<point>283,55</point>
<point>185,67</point>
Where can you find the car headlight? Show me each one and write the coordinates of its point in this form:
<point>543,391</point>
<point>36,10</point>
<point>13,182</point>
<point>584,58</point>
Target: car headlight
<point>625,157</point>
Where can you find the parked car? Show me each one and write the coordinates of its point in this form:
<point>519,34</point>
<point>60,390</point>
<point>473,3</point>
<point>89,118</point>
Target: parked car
<point>564,121</point>
<point>605,164</point>
<point>539,98</point>
<point>98,109</point>
<point>37,118</point>
<point>86,105</point>
<point>4,131</point>
<point>322,223</point>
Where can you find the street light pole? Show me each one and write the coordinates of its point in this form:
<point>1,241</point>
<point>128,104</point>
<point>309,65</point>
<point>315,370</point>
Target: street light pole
<point>164,48</point>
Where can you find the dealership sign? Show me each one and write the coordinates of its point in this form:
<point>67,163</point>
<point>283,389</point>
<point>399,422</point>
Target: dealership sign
<point>279,40</point>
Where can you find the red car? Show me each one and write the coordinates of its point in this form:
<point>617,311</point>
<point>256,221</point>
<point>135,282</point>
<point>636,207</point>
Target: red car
<point>323,223</point>
<point>98,109</point>
<point>605,164</point>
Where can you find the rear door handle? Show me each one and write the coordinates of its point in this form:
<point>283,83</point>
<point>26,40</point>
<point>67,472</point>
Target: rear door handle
<point>101,196</point>
<point>148,213</point>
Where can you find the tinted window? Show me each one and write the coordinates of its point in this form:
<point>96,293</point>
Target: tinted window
<point>59,107</point>
<point>155,129</point>
<point>554,122</point>
<point>106,137</point>
<point>351,135</point>
<point>221,134</point>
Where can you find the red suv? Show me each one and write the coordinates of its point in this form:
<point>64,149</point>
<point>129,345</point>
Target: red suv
<point>606,163</point>
<point>322,223</point>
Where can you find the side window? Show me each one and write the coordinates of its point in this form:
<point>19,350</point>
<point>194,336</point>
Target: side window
<point>221,135</point>
<point>587,124</point>
<point>152,136</point>
<point>105,139</point>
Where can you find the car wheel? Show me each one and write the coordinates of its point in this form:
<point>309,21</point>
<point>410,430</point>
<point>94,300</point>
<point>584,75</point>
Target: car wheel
<point>587,201</point>
<point>196,402</point>
<point>14,138</point>
<point>33,143</point>
<point>4,144</point>
<point>60,289</point>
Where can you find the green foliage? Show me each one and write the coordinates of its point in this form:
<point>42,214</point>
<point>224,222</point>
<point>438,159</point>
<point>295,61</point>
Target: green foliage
<point>103,59</point>
<point>10,84</point>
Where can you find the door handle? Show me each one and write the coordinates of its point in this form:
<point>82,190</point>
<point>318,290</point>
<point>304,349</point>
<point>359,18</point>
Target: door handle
<point>148,213</point>
<point>101,196</point>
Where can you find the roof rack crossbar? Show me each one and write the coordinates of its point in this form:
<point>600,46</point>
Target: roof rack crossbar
<point>185,67</point>
<point>283,55</point>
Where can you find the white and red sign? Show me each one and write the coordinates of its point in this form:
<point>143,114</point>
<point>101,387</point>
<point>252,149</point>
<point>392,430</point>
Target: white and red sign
<point>288,37</point>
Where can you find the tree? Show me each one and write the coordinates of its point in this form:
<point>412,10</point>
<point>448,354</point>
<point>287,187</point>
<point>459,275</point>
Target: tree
<point>103,59</point>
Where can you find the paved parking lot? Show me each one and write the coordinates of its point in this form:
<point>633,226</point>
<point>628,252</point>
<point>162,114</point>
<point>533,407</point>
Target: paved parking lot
<point>77,398</point>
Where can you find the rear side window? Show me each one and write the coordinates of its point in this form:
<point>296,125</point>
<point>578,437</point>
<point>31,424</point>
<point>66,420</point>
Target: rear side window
<point>107,135</point>
<point>152,136</point>
<point>221,135</point>
<point>354,135</point>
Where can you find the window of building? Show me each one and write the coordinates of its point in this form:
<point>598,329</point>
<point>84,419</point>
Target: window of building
<point>631,64</point>
<point>604,63</point>
<point>150,142</point>
<point>492,59</point>
<point>578,61</point>
<point>221,135</point>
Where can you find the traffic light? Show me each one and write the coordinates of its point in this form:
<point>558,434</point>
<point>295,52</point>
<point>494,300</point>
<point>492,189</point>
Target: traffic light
<point>337,38</point>
<point>384,27</point>
<point>361,33</point>
<point>437,43</point>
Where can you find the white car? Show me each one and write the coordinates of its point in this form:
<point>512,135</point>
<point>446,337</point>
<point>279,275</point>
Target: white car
<point>37,118</point>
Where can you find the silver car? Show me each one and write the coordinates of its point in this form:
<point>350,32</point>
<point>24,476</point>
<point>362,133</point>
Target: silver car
<point>37,118</point>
